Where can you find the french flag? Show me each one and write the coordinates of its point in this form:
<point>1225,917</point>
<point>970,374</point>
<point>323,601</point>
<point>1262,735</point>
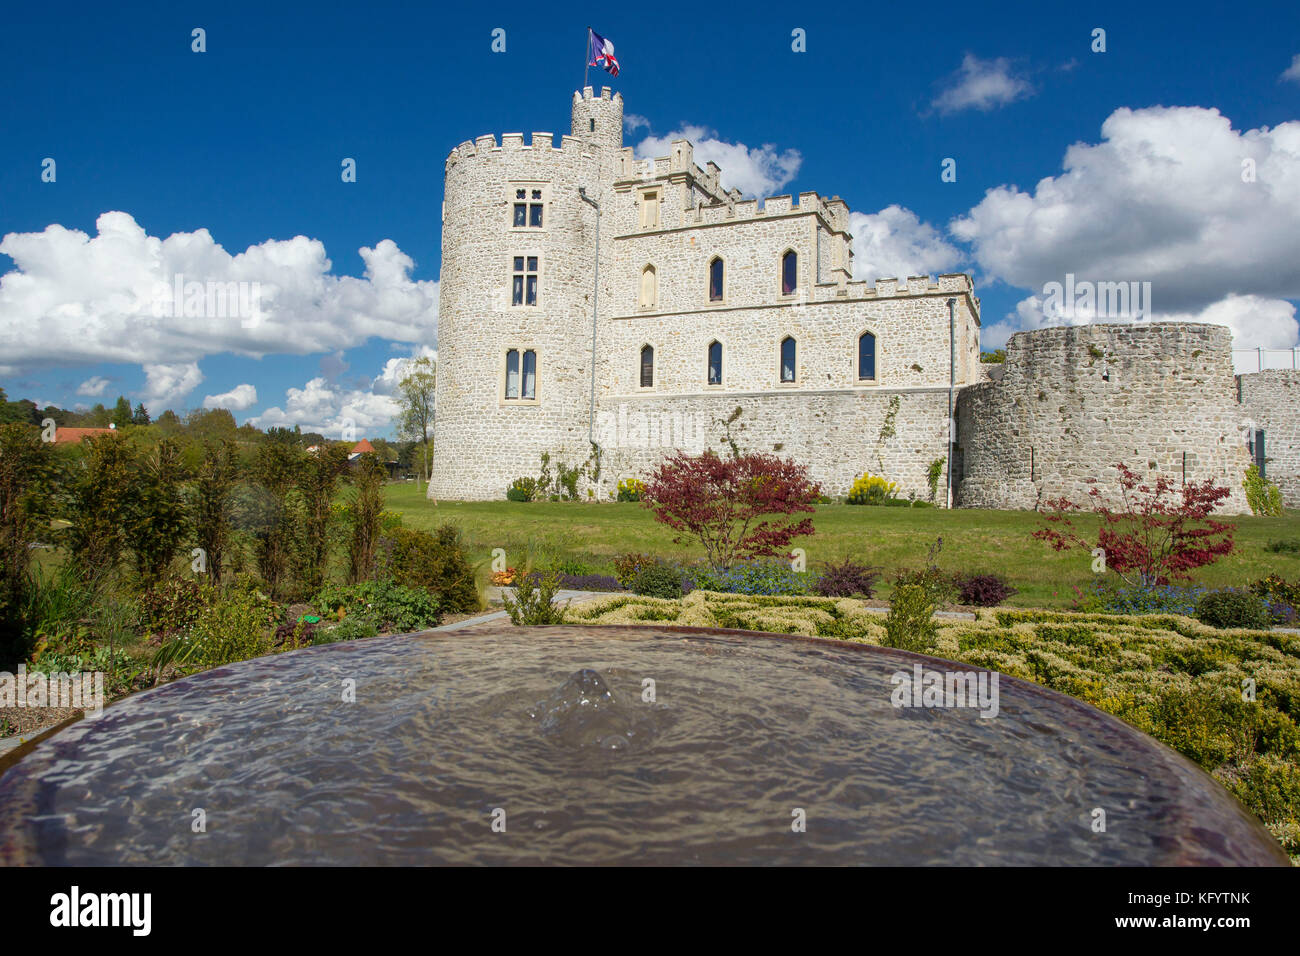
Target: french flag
<point>602,53</point>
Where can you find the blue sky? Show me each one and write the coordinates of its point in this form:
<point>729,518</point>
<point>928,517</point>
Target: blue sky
<point>246,139</point>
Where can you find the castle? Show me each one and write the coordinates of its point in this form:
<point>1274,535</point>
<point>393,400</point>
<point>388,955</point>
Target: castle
<point>589,300</point>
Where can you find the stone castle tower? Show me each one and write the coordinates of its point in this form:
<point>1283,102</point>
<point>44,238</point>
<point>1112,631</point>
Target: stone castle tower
<point>708,302</point>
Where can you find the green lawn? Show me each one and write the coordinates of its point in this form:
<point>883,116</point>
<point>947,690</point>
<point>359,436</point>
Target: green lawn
<point>973,540</point>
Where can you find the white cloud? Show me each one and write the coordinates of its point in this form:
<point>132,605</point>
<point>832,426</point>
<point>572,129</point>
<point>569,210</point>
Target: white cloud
<point>238,399</point>
<point>80,299</point>
<point>168,384</point>
<point>335,410</point>
<point>1292,72</point>
<point>93,387</point>
<point>761,171</point>
<point>982,85</point>
<point>895,242</point>
<point>633,122</point>
<point>1162,200</point>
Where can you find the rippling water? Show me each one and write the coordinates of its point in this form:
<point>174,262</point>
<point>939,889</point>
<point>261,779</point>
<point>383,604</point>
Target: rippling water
<point>552,732</point>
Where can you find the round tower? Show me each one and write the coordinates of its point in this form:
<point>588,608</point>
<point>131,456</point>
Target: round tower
<point>515,301</point>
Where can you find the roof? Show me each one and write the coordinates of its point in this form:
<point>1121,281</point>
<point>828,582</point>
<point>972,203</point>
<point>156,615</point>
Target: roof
<point>66,436</point>
<point>363,447</point>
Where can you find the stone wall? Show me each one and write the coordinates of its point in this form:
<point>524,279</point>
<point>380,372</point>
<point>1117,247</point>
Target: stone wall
<point>1271,400</point>
<point>1073,401</point>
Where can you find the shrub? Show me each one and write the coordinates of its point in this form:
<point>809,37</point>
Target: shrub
<point>234,627</point>
<point>95,503</point>
<point>931,580</point>
<point>659,580</point>
<point>1162,599</point>
<point>171,604</point>
<point>1149,538</point>
<point>982,590</point>
<point>872,490</point>
<point>910,624</point>
<point>435,562</point>
<point>522,489</point>
<point>294,634</point>
<point>366,514</point>
<point>25,470</point>
<point>627,565</point>
<point>389,606</point>
<point>534,602</point>
<point>1230,608</point>
<point>738,508</point>
<point>1282,597</point>
<point>1263,497</point>
<point>317,481</point>
<point>757,577</point>
<point>631,489</point>
<point>154,518</point>
<point>848,578</point>
<point>1286,546</point>
<point>212,502</point>
<point>348,629</point>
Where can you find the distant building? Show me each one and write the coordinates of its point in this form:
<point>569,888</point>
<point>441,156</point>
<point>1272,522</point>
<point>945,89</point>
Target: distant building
<point>75,436</point>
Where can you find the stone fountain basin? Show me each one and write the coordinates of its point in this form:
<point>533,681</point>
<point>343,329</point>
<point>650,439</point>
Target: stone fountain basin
<point>610,745</point>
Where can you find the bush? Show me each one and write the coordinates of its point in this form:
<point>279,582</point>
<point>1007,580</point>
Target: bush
<point>434,562</point>
<point>659,580</point>
<point>872,490</point>
<point>847,579</point>
<point>1163,599</point>
<point>522,489</point>
<point>627,565</point>
<point>910,624</point>
<point>937,585</point>
<point>172,604</point>
<point>738,508</point>
<point>234,627</point>
<point>534,601</point>
<point>389,606</point>
<point>1263,497</point>
<point>1231,608</point>
<point>1286,546</point>
<point>348,629</point>
<point>982,590</point>
<point>631,489</point>
<point>757,577</point>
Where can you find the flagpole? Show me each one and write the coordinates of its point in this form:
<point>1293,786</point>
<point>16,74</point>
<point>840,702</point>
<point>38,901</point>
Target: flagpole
<point>586,60</point>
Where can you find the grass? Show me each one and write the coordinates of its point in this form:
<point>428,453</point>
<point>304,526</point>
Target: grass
<point>536,533</point>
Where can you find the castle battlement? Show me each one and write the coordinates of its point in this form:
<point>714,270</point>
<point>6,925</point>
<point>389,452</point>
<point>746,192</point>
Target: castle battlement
<point>570,146</point>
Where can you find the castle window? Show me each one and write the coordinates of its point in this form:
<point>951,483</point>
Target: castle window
<point>787,359</point>
<point>715,363</point>
<point>524,286</point>
<point>591,125</point>
<point>866,356</point>
<point>647,367</point>
<point>529,204</point>
<point>789,273</point>
<point>715,280</point>
<point>521,375</point>
<point>649,288</point>
<point>650,209</point>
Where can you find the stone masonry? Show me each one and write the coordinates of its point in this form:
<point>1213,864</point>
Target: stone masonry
<point>1068,403</point>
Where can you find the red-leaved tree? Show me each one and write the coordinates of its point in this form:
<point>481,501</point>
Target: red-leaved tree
<point>738,508</point>
<point>1159,532</point>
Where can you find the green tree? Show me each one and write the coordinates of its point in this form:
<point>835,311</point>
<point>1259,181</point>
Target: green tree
<point>26,470</point>
<point>367,507</point>
<point>155,517</point>
<point>96,501</point>
<point>275,469</point>
<point>415,398</point>
<point>214,485</point>
<point>141,415</point>
<point>318,481</point>
<point>121,413</point>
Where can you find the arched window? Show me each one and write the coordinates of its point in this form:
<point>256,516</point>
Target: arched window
<point>512,373</point>
<point>530,375</point>
<point>715,280</point>
<point>647,367</point>
<point>866,356</point>
<point>649,288</point>
<point>787,359</point>
<point>521,374</point>
<point>715,363</point>
<point>789,273</point>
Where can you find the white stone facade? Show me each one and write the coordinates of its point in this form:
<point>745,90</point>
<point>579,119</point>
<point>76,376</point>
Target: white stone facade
<point>1075,400</point>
